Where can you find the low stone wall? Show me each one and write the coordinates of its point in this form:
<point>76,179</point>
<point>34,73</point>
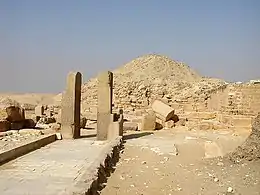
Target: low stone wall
<point>238,99</point>
<point>26,148</point>
<point>91,181</point>
<point>234,99</point>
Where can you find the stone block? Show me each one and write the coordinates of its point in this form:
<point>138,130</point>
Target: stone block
<point>148,122</point>
<point>130,126</point>
<point>39,110</point>
<point>160,122</point>
<point>29,123</point>
<point>113,130</point>
<point>4,125</point>
<point>162,110</point>
<point>70,113</point>
<point>104,110</point>
<point>15,114</point>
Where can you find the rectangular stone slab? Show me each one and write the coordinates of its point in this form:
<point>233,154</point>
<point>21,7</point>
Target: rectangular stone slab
<point>104,110</point>
<point>70,111</point>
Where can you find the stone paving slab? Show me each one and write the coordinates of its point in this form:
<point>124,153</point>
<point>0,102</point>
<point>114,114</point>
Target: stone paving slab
<point>53,169</point>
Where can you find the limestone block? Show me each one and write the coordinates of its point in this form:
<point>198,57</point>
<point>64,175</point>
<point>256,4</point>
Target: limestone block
<point>148,122</point>
<point>4,125</point>
<point>39,110</point>
<point>70,114</point>
<point>29,123</point>
<point>130,126</point>
<point>104,110</point>
<point>15,114</point>
<point>113,130</point>
<point>160,122</point>
<point>162,110</point>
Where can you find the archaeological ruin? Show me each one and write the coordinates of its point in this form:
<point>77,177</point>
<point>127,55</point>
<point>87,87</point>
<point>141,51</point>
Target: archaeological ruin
<point>149,95</point>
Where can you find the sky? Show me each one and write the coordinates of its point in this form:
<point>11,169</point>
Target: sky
<point>41,41</point>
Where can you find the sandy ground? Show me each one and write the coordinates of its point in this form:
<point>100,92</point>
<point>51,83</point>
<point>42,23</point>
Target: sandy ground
<point>167,163</point>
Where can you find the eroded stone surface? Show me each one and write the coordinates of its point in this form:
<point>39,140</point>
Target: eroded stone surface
<point>53,169</point>
<point>70,116</point>
<point>105,96</point>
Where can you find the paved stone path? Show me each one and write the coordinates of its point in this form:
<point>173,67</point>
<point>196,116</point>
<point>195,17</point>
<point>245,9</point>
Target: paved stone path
<point>52,170</point>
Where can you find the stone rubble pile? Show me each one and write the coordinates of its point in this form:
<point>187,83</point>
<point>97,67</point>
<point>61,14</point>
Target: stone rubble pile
<point>151,77</point>
<point>140,82</point>
<point>13,118</point>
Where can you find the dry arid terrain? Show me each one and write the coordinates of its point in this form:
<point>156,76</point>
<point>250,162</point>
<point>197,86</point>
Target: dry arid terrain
<point>211,146</point>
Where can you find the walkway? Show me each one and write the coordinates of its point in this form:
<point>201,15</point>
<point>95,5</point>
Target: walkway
<point>54,169</point>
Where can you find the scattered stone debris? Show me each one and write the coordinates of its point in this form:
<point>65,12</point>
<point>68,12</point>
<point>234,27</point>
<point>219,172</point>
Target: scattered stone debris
<point>250,149</point>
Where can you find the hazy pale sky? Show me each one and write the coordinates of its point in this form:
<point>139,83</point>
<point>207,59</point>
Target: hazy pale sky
<point>42,40</point>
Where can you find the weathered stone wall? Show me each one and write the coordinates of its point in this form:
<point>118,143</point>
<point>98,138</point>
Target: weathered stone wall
<point>232,99</point>
<point>237,99</point>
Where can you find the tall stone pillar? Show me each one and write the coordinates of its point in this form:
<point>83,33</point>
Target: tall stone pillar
<point>70,111</point>
<point>105,97</point>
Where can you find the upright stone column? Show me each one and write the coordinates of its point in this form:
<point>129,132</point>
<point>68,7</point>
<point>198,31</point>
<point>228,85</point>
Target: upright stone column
<point>105,97</point>
<point>121,122</point>
<point>70,111</point>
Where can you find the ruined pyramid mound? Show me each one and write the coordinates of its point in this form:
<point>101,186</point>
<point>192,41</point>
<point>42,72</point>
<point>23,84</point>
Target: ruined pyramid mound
<point>149,77</point>
<point>153,67</point>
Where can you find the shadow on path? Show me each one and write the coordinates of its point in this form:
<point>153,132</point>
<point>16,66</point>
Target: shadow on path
<point>137,135</point>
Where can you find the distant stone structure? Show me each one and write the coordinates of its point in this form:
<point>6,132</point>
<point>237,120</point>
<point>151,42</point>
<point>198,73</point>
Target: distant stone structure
<point>104,111</point>
<point>13,118</point>
<point>116,125</point>
<point>70,114</point>
<point>148,122</point>
<point>39,111</point>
